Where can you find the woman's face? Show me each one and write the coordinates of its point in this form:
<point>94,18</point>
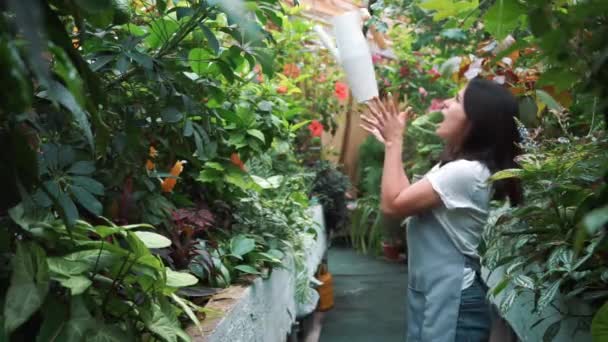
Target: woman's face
<point>455,123</point>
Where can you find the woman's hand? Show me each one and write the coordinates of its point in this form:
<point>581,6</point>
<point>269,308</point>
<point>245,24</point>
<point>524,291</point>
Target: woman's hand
<point>385,121</point>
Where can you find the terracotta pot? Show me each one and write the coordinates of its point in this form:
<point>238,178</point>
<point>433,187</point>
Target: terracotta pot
<point>391,251</point>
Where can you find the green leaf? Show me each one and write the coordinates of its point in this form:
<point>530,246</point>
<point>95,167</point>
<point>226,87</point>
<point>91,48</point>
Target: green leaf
<point>55,314</point>
<point>214,166</point>
<point>241,245</point>
<point>77,284</point>
<point>29,285</point>
<point>160,32</point>
<point>599,325</point>
<point>596,219</point>
<point>90,184</point>
<point>547,296</point>
<point>237,178</point>
<point>552,331</point>
<point>171,115</point>
<point>214,44</point>
<point>299,125</point>
<point>199,60</point>
<point>80,322</point>
<point>509,173</point>
<point>82,168</point>
<point>180,279</point>
<point>547,99</point>
<point>503,18</point>
<point>524,281</point>
<point>88,201</point>
<point>507,302</point>
<point>182,304</point>
<point>62,266</point>
<point>108,333</point>
<point>94,6</point>
<point>448,8</point>
<point>153,240</point>
<point>60,94</point>
<point>160,319</point>
<point>270,183</point>
<point>266,60</point>
<point>501,286</point>
<point>256,133</point>
<point>247,269</point>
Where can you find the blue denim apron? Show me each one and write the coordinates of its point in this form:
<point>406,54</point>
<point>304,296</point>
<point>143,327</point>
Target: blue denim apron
<point>435,275</point>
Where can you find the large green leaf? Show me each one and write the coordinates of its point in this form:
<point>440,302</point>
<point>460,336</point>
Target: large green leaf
<point>247,269</point>
<point>256,133</point>
<point>88,201</point>
<point>153,240</point>
<point>599,325</point>
<point>552,331</point>
<point>547,296</point>
<point>88,183</point>
<point>180,279</point>
<point>503,18</point>
<point>548,100</point>
<point>241,245</point>
<point>448,8</point>
<point>211,39</point>
<point>160,32</point>
<point>63,96</point>
<point>199,60</point>
<point>94,6</point>
<point>77,284</point>
<point>81,321</point>
<point>28,287</point>
<point>161,320</point>
<point>596,219</point>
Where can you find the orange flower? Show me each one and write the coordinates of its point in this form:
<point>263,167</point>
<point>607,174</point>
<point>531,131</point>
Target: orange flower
<point>150,165</point>
<point>168,184</point>
<point>282,89</point>
<point>291,70</point>
<point>236,161</point>
<point>341,91</point>
<point>259,75</point>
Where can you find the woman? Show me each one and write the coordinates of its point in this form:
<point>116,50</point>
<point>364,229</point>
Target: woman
<point>449,206</point>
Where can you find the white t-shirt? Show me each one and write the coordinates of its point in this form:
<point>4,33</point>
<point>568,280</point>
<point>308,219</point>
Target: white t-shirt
<point>465,193</point>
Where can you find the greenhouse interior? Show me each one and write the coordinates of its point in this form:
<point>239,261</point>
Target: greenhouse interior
<point>304,170</point>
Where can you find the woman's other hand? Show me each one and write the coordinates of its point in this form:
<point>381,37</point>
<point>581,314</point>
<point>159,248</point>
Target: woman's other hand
<point>385,121</point>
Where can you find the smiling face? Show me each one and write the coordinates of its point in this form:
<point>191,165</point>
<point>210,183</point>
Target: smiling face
<point>455,123</point>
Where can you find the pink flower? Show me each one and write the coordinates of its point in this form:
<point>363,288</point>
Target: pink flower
<point>434,74</point>
<point>422,92</point>
<point>341,91</point>
<point>436,105</point>
<point>376,58</point>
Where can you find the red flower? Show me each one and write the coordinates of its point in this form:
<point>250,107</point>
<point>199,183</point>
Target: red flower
<point>404,71</point>
<point>236,161</point>
<point>291,70</point>
<point>315,128</point>
<point>341,91</point>
<point>434,74</point>
<point>282,89</point>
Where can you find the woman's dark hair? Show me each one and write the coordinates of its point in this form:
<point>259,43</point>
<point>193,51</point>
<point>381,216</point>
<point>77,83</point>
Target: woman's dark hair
<point>493,136</point>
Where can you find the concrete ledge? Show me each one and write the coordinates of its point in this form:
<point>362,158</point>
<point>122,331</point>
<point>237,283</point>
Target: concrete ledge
<point>265,310</point>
